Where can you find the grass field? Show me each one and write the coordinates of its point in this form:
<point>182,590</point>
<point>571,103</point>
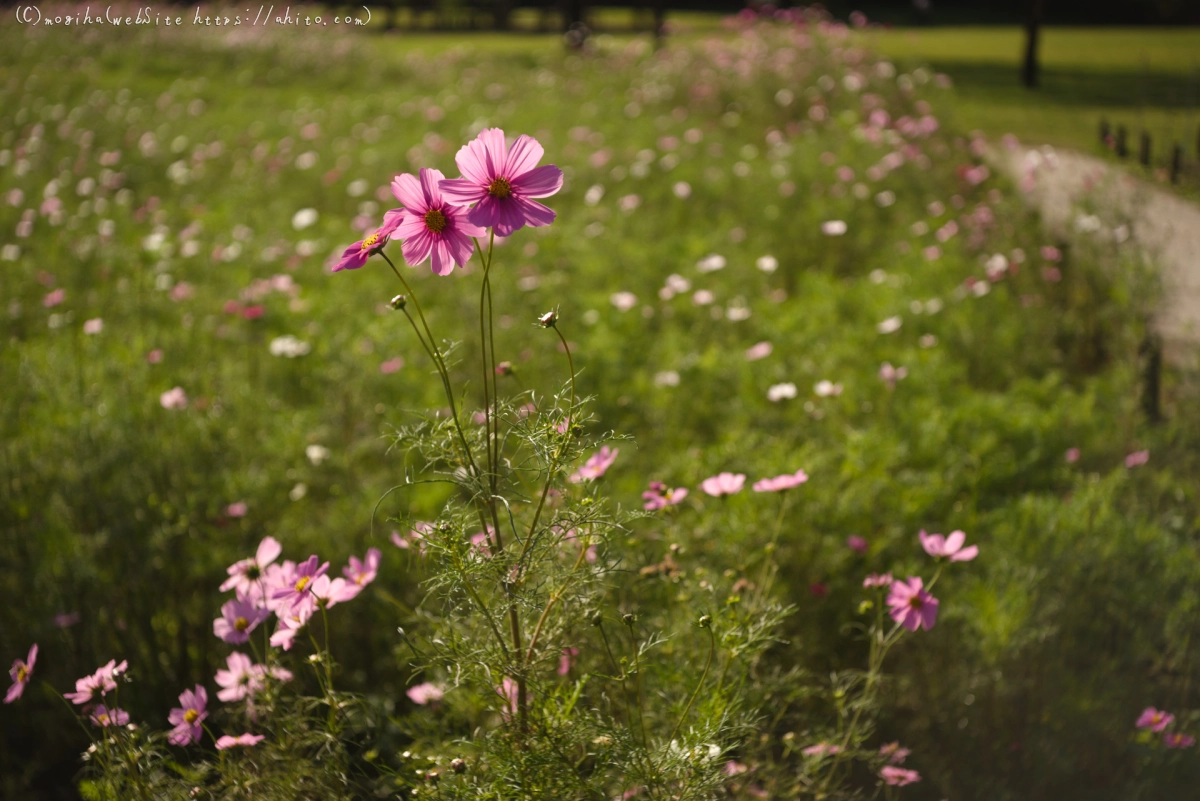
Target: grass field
<point>743,248</point>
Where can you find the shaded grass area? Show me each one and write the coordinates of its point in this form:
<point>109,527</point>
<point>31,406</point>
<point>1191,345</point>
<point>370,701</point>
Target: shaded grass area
<point>1142,78</point>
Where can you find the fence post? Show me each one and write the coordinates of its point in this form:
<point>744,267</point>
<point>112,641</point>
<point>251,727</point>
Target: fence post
<point>1144,153</point>
<point>1151,353</point>
<point>1104,132</point>
<point>1122,141</point>
<point>1176,163</point>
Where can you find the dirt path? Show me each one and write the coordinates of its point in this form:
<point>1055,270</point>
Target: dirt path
<point>1059,182</point>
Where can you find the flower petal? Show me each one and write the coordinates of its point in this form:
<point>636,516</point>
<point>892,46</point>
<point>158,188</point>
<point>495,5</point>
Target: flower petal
<point>966,554</point>
<point>416,249</point>
<point>268,551</point>
<point>462,191</point>
<point>954,541</point>
<point>522,157</point>
<point>539,182</point>
<point>430,178</point>
<point>407,190</point>
<point>535,213</point>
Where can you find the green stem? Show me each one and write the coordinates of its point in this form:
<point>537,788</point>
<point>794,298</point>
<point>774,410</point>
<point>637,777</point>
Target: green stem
<point>438,362</point>
<point>712,649</point>
<point>558,452</point>
<point>768,575</point>
<point>637,668</point>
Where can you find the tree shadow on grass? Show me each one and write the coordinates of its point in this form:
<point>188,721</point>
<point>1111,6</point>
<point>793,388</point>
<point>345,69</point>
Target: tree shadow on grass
<point>1075,87</point>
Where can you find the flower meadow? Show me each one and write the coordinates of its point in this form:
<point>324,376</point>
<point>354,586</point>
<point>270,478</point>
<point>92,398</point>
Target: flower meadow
<point>700,422</point>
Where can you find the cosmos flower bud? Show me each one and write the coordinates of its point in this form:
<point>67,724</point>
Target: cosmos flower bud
<point>399,302</point>
<point>458,765</point>
<point>548,320</point>
<point>705,622</point>
<point>629,619</point>
<point>596,618</point>
<point>504,368</point>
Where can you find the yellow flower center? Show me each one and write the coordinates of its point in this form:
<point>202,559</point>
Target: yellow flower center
<point>915,602</point>
<point>103,718</point>
<point>370,241</point>
<point>435,221</point>
<point>22,673</point>
<point>190,716</point>
<point>241,624</point>
<point>500,188</point>
<point>301,584</point>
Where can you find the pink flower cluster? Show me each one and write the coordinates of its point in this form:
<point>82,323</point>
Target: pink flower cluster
<point>292,592</point>
<point>910,603</point>
<point>1158,721</point>
<point>439,218</point>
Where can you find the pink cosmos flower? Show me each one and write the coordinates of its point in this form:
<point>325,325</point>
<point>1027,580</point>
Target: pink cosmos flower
<point>1137,458</point>
<point>242,679</point>
<point>821,750</point>
<point>102,682</point>
<point>1155,719</point>
<point>1072,455</point>
<point>20,673</point>
<point>188,717</point>
<point>104,717</point>
<point>245,575</point>
<point>911,606</point>
<point>357,254</point>
<point>938,546</point>
<point>779,483</point>
<point>432,226</point>
<point>93,326</point>
<point>893,753</point>
<point>425,693</point>
<point>501,181</point>
<point>659,496</point>
<point>241,741</point>
<point>510,692</point>
<point>856,543</point>
<point>1177,739</point>
<point>329,592</point>
<point>238,618</point>
<point>174,399</point>
<point>391,365</point>
<point>565,659</point>
<point>596,465</point>
<point>290,623</point>
<point>890,375</point>
<point>362,573</point>
<point>416,535</point>
<point>734,768</point>
<point>54,298</point>
<point>238,509</point>
<point>878,580</point>
<point>154,356</point>
<point>759,351</point>
<point>295,592</point>
<point>898,777</point>
<point>723,484</point>
<point>65,620</point>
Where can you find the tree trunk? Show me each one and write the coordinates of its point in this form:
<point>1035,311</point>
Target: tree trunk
<point>1033,22</point>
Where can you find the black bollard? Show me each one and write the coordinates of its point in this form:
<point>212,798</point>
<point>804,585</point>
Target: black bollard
<point>1122,141</point>
<point>1151,353</point>
<point>1144,152</point>
<point>1176,163</point>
